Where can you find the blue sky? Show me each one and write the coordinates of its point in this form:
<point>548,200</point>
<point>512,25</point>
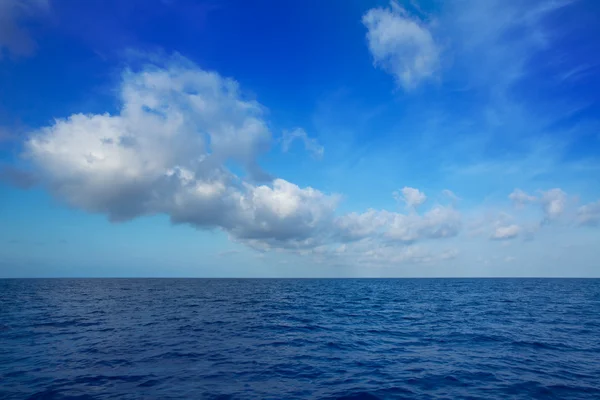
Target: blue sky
<point>299,139</point>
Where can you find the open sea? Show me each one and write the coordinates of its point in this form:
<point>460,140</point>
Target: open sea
<point>300,338</point>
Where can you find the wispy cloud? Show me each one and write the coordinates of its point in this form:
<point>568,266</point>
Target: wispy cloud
<point>589,214</point>
<point>310,144</point>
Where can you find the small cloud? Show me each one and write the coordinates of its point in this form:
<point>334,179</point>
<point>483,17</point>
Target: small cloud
<point>506,232</point>
<point>520,198</point>
<point>310,144</point>
<point>509,259</point>
<point>401,45</point>
<point>553,202</point>
<point>412,197</point>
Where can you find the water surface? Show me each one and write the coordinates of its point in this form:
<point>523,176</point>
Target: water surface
<point>295,339</point>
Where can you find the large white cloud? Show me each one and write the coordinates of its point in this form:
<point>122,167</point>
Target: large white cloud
<point>167,149</point>
<point>165,152</point>
<point>401,45</point>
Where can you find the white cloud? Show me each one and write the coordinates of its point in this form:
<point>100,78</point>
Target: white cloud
<point>553,203</point>
<point>401,45</point>
<point>167,149</point>
<point>439,222</point>
<point>165,152</point>
<point>310,144</point>
<point>13,37</point>
<point>355,226</point>
<point>589,214</point>
<point>506,232</point>
<point>520,198</point>
<point>412,197</point>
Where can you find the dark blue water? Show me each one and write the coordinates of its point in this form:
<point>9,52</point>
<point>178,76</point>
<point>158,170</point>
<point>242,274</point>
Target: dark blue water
<point>288,339</point>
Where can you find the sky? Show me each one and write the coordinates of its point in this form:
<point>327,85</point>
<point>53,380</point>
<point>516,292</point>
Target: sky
<point>346,138</point>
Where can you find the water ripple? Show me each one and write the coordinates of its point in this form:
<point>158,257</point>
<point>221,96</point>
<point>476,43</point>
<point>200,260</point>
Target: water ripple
<point>296,339</point>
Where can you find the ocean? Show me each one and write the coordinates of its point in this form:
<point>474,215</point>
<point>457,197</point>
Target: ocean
<point>300,338</point>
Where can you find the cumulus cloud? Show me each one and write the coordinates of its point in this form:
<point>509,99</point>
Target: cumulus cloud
<point>14,38</point>
<point>553,202</point>
<point>506,232</point>
<point>401,44</point>
<point>310,144</point>
<point>167,149</point>
<point>412,197</point>
<point>165,152</point>
<point>589,214</point>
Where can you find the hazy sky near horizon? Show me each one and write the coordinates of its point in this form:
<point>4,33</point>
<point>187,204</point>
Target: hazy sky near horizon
<point>298,139</point>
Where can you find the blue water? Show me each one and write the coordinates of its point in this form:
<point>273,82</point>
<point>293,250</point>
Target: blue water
<point>296,339</point>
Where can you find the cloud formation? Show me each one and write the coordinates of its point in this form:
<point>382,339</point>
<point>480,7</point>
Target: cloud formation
<point>553,202</point>
<point>167,149</point>
<point>165,152</point>
<point>401,44</point>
